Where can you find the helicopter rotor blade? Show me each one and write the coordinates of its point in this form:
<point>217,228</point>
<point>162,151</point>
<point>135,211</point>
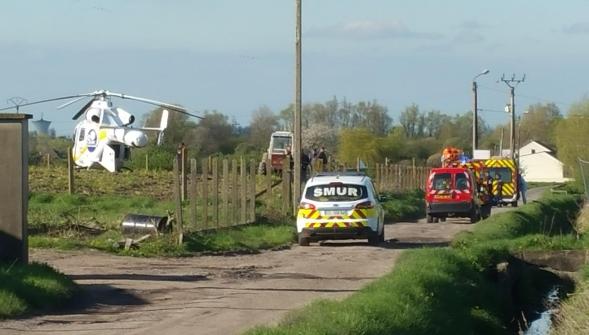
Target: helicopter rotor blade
<point>83,109</point>
<point>41,101</point>
<point>175,108</point>
<point>71,102</point>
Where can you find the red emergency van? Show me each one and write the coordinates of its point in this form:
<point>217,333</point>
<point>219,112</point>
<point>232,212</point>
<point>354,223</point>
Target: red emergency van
<point>453,192</point>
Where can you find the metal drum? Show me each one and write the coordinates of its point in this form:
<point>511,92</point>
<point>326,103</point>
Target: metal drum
<point>137,224</point>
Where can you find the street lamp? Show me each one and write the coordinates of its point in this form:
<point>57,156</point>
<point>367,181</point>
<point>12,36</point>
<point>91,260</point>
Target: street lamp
<point>475,119</point>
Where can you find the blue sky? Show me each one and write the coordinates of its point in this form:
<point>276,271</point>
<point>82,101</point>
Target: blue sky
<point>235,56</point>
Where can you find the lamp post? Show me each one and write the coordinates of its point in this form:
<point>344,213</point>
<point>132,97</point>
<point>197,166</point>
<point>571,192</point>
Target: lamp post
<point>475,118</point>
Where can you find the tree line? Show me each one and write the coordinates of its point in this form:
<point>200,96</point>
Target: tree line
<point>364,129</point>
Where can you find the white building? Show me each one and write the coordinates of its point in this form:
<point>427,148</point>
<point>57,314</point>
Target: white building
<point>538,164</point>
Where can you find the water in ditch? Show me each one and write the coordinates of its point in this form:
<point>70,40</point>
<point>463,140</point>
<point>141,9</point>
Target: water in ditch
<point>543,324</point>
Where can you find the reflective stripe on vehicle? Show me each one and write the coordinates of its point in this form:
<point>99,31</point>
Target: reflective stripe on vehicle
<point>357,214</point>
<point>337,224</point>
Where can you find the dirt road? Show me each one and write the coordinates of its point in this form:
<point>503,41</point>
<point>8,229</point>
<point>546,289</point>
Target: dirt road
<point>219,294</point>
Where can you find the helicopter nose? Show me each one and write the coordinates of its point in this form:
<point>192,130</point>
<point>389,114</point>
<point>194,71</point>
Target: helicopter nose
<point>135,138</point>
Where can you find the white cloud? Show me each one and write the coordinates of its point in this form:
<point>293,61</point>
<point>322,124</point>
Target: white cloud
<point>577,28</point>
<point>370,30</point>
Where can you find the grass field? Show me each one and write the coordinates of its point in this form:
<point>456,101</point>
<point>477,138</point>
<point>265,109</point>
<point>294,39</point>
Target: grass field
<point>24,288</point>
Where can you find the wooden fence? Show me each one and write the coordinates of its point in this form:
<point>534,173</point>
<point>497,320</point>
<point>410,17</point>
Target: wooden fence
<point>399,178</point>
<point>220,193</point>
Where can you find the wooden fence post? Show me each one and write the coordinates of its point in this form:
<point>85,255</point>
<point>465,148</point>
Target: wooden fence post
<point>70,171</point>
<point>243,193</point>
<point>183,171</point>
<point>178,199</point>
<point>377,177</point>
<point>234,193</point>
<point>252,192</point>
<point>269,180</point>
<point>205,192</point>
<point>193,193</point>
<point>215,191</point>
<point>286,186</point>
<point>225,194</point>
<point>414,172</point>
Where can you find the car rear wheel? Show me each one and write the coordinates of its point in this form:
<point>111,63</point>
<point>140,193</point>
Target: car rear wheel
<point>303,241</point>
<point>381,236</point>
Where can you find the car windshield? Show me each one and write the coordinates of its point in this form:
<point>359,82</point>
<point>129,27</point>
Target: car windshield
<point>336,192</point>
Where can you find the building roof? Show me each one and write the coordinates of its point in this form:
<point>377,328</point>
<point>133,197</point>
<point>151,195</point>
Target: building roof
<point>544,145</point>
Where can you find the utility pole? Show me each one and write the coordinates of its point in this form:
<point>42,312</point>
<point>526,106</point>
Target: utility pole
<point>512,83</point>
<point>297,110</point>
<point>475,110</point>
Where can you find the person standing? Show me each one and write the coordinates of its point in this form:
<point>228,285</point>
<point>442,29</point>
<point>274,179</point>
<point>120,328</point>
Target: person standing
<point>305,162</point>
<point>522,187</point>
<point>322,156</point>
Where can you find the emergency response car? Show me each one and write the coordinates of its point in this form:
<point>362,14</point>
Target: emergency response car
<point>340,206</point>
<point>453,192</point>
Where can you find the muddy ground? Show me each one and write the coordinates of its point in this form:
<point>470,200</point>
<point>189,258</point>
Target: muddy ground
<point>219,294</point>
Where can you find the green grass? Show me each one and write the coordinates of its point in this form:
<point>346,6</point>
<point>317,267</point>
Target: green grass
<point>553,218</point>
<point>404,206</point>
<point>448,290</point>
<point>431,291</point>
<point>24,288</point>
<point>246,239</point>
<point>51,213</point>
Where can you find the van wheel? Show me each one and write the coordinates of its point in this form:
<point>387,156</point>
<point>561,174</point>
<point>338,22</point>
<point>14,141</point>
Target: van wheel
<point>475,215</point>
<point>443,219</point>
<point>485,211</point>
<point>429,218</point>
<point>303,241</point>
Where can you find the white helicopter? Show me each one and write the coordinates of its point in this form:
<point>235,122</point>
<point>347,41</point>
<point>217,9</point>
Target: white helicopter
<point>104,136</point>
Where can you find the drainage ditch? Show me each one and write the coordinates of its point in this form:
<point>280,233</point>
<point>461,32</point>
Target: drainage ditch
<point>536,283</point>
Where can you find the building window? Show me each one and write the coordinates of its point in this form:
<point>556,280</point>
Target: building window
<point>533,151</point>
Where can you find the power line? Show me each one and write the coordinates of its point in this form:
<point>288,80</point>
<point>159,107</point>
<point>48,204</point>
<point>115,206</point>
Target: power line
<point>512,83</point>
<point>528,97</point>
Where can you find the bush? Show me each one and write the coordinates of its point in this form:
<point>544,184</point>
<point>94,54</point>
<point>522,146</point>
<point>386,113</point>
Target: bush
<point>159,158</point>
